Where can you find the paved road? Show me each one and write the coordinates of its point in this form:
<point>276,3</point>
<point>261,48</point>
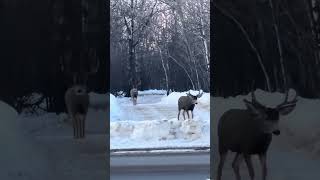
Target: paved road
<point>164,166</point>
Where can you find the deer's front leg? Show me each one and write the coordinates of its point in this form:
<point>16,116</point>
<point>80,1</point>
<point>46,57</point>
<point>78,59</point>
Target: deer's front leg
<point>247,158</point>
<point>263,162</point>
<point>235,165</point>
<point>73,119</point>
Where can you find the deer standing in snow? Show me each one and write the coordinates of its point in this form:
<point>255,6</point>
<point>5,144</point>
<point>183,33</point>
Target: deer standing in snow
<point>77,97</point>
<point>248,132</point>
<point>134,95</point>
<point>187,103</point>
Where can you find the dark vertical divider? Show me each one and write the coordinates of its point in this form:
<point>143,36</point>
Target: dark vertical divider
<point>212,52</point>
<point>106,4</point>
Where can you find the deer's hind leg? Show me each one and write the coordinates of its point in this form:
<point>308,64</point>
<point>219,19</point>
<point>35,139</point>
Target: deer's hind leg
<point>188,114</point>
<point>83,125</point>
<point>263,162</point>
<point>222,159</point>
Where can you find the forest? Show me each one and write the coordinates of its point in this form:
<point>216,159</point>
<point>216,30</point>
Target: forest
<point>159,44</point>
<point>43,44</point>
<point>266,44</point>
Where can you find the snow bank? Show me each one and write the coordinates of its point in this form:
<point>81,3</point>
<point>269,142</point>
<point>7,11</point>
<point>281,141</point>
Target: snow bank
<point>115,110</point>
<point>157,129</point>
<point>159,133</point>
<point>152,92</point>
<point>20,157</point>
<point>98,101</point>
<point>300,129</point>
<point>9,119</point>
<point>96,98</point>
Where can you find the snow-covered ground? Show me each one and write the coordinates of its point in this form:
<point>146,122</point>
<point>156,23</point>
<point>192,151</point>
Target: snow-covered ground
<point>153,122</point>
<point>41,146</point>
<point>20,156</point>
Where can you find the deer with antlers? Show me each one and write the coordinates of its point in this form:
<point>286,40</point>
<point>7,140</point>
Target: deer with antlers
<point>77,97</point>
<point>248,132</point>
<point>187,103</point>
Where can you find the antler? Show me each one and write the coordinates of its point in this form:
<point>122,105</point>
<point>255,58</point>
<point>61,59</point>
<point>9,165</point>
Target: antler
<point>254,100</point>
<point>286,102</point>
<point>200,93</point>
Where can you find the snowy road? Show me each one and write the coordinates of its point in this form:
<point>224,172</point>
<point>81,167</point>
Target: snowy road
<point>169,166</point>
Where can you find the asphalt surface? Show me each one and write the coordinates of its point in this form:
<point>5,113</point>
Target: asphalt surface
<point>160,166</point>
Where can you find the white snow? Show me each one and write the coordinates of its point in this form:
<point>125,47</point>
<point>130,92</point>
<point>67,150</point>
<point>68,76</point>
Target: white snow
<point>20,157</point>
<point>152,92</point>
<point>153,122</point>
<point>115,111</point>
<point>300,129</point>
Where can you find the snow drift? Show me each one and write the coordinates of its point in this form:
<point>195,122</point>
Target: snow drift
<point>115,111</point>
<point>20,158</point>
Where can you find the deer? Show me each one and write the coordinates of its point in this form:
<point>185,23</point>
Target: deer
<point>134,95</point>
<point>77,97</point>
<point>249,132</point>
<point>187,103</point>
<point>134,92</point>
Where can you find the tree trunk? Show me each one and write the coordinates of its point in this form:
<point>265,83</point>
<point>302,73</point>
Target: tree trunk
<point>244,32</point>
<point>276,29</point>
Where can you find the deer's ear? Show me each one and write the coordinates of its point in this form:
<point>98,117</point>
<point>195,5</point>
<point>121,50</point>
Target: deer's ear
<point>254,109</point>
<point>286,109</point>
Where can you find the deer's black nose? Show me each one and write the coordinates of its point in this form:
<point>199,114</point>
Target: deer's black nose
<point>276,132</point>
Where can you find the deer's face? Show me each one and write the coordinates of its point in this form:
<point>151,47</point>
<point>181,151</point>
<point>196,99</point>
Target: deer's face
<point>79,89</point>
<point>193,98</point>
<point>270,119</point>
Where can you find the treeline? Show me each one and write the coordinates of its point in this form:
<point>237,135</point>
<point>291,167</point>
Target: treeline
<point>42,43</point>
<point>267,44</point>
<point>160,44</point>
